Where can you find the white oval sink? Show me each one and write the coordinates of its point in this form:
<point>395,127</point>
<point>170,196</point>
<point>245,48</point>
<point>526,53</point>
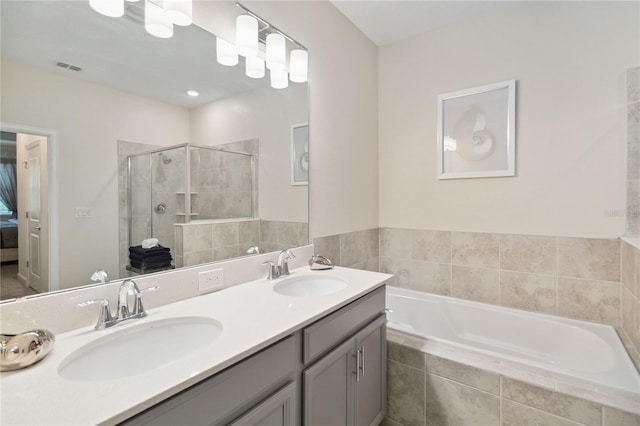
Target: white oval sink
<point>309,285</point>
<point>140,349</point>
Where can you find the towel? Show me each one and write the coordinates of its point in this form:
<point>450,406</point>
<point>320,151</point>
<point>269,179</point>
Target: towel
<point>150,242</point>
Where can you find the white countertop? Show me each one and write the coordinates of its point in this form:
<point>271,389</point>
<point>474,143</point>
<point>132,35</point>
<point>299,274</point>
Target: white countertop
<point>253,316</point>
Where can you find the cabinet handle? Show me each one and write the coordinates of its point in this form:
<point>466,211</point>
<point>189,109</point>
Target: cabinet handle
<point>358,353</point>
<point>362,357</point>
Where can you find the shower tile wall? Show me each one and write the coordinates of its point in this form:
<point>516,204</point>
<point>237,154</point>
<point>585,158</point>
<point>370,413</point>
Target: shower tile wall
<point>633,152</point>
<point>198,243</point>
<point>427,390</point>
<point>222,182</point>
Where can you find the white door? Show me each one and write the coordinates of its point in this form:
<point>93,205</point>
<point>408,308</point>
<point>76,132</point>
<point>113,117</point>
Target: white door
<point>36,268</point>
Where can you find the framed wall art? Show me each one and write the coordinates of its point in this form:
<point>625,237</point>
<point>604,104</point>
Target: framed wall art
<point>300,154</point>
<point>476,132</point>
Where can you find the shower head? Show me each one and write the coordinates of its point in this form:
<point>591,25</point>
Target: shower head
<point>164,158</point>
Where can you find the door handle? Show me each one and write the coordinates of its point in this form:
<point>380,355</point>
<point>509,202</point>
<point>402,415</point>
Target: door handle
<point>38,227</point>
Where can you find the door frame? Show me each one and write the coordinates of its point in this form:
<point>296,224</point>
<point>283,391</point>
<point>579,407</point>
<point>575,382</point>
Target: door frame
<point>52,190</point>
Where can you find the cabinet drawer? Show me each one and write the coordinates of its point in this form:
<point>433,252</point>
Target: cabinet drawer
<point>322,336</point>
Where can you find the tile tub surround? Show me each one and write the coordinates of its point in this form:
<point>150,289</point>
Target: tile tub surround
<point>630,294</point>
<point>571,277</point>
<point>358,249</point>
<point>425,389</point>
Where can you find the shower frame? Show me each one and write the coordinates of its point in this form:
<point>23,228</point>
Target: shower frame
<point>187,200</point>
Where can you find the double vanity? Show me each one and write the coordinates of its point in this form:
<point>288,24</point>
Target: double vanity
<point>308,348</point>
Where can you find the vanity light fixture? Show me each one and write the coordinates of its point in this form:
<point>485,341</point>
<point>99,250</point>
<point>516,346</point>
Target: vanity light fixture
<point>111,8</point>
<point>156,22</point>
<point>298,65</point>
<point>276,52</point>
<point>159,16</point>
<point>254,67</point>
<point>179,12</point>
<point>247,35</point>
<point>226,53</point>
<point>279,79</point>
<point>254,33</point>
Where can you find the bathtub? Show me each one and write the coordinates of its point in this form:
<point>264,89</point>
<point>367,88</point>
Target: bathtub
<point>543,349</point>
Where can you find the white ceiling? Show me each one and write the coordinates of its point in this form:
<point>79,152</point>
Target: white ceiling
<point>387,22</point>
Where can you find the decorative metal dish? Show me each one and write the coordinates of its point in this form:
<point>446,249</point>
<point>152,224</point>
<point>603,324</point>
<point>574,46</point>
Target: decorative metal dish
<point>22,350</point>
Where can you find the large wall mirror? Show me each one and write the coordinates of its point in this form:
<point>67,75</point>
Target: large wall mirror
<point>110,150</point>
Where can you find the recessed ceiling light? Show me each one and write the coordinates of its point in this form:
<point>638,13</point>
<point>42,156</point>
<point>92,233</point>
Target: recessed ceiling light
<point>193,93</point>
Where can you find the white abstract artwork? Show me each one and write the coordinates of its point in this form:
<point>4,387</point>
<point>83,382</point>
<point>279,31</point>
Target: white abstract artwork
<point>476,132</point>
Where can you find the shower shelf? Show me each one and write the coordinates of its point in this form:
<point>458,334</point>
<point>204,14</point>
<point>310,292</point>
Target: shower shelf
<point>184,214</point>
<point>184,193</point>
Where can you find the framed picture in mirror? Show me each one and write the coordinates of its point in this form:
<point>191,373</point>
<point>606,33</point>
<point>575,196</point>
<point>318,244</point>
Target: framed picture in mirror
<point>300,154</point>
<point>476,132</point>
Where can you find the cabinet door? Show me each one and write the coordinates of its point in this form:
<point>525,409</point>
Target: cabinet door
<point>328,389</point>
<point>277,410</point>
<point>370,385</point>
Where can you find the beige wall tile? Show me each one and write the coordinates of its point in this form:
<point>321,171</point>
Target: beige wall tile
<point>451,403</point>
<point>395,243</point>
<point>531,292</point>
<point>430,277</point>
<point>633,84</point>
<point>589,299</point>
<point>462,373</point>
<point>528,253</point>
<point>371,264</point>
<point>628,266</point>
<point>566,406</point>
<point>514,414</point>
<point>197,238</point>
<point>479,284</point>
<point>405,394</point>
<point>400,268</point>
<point>475,249</point>
<point>433,246</point>
<point>628,313</point>
<point>328,247</point>
<point>613,417</point>
<point>358,246</point>
<point>405,355</point>
<point>594,259</point>
<point>225,234</point>
<point>637,273</point>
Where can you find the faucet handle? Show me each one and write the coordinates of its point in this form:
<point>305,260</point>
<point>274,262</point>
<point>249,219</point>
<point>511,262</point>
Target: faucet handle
<point>273,271</point>
<point>138,309</point>
<point>105,318</point>
<point>283,261</point>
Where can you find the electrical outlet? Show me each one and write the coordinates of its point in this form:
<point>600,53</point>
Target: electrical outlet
<point>82,212</point>
<point>211,280</point>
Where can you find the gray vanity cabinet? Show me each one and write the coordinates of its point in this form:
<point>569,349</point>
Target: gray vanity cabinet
<point>347,386</point>
<point>333,372</point>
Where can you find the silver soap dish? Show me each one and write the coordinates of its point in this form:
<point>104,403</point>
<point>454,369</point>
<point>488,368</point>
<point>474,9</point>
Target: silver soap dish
<point>319,263</point>
<point>22,350</point>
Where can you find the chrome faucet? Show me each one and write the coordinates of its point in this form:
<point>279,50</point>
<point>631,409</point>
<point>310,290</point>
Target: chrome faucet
<point>124,312</point>
<point>100,275</point>
<point>282,267</point>
<point>283,261</point>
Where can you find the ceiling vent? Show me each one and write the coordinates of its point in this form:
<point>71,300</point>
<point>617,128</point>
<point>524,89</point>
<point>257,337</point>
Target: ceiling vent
<point>68,66</point>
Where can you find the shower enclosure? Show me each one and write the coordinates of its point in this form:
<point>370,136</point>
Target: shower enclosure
<point>186,183</point>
